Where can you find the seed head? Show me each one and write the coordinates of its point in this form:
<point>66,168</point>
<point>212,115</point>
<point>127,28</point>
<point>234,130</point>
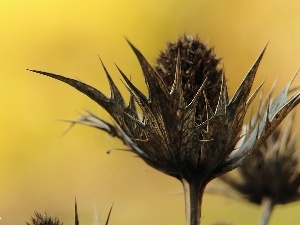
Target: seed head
<point>189,127</point>
<point>175,136</point>
<point>272,172</point>
<point>198,63</point>
<point>39,219</point>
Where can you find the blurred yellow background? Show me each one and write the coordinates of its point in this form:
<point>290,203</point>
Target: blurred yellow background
<point>42,170</point>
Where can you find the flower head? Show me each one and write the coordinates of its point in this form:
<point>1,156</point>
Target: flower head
<point>39,219</point>
<point>189,126</point>
<point>271,172</point>
<point>198,63</point>
<point>271,175</point>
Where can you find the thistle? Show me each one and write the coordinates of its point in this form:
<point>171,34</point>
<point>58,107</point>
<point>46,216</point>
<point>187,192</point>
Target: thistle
<point>39,219</point>
<point>271,175</point>
<point>189,127</point>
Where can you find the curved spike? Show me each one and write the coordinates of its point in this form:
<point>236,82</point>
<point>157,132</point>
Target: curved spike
<point>196,97</point>
<point>131,108</point>
<point>142,101</point>
<point>244,89</point>
<point>133,88</point>
<point>177,83</point>
<point>280,100</point>
<point>176,90</point>
<point>155,84</point>
<point>209,110</point>
<point>109,213</point>
<point>223,98</point>
<point>76,213</point>
<point>86,89</point>
<point>115,93</point>
<point>136,120</point>
<point>249,101</point>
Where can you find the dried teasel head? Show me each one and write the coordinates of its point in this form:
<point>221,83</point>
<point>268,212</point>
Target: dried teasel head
<point>189,127</point>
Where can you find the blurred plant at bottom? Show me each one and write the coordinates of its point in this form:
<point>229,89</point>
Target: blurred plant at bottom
<point>270,176</point>
<point>39,219</point>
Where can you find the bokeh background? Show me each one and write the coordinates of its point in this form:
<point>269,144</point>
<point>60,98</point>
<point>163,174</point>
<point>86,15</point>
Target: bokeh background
<point>41,169</point>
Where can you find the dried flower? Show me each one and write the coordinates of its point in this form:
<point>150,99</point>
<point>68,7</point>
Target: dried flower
<point>189,127</point>
<point>271,175</point>
<point>39,219</point>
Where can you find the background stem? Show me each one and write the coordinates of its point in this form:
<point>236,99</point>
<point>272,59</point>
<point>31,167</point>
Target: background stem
<point>267,208</point>
<point>193,193</point>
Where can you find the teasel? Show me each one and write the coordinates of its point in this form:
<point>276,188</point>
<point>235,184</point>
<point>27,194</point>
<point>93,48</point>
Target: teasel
<point>271,175</point>
<point>189,127</point>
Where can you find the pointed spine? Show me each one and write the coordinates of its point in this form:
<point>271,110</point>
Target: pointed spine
<point>86,89</point>
<point>155,84</point>
<point>76,214</point>
<point>244,89</point>
<point>116,96</point>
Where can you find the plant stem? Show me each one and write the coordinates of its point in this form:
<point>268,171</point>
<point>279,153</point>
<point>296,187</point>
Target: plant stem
<point>193,193</point>
<point>267,208</point>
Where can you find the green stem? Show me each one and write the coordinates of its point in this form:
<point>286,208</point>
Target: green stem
<point>267,208</point>
<point>193,193</point>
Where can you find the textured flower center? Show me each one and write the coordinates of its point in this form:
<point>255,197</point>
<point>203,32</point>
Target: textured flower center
<point>197,62</point>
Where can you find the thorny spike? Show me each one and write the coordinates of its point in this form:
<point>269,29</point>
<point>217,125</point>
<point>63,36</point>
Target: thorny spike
<point>136,120</point>
<point>244,89</point>
<point>209,110</point>
<point>177,83</point>
<point>136,93</point>
<point>280,100</point>
<point>76,213</point>
<point>143,103</point>
<point>154,82</point>
<point>88,90</point>
<point>109,213</point>
<point>131,104</point>
<point>252,97</point>
<point>223,97</point>
<point>196,97</point>
<point>115,93</point>
<point>131,108</point>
